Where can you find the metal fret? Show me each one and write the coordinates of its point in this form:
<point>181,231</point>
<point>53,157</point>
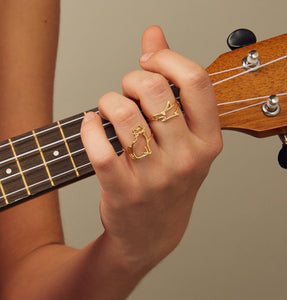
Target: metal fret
<point>19,167</point>
<point>56,154</point>
<point>3,193</point>
<point>75,144</point>
<point>68,149</point>
<point>13,186</point>
<point>43,158</point>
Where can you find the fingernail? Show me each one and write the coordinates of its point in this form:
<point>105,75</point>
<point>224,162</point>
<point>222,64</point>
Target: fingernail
<point>146,57</point>
<point>89,116</point>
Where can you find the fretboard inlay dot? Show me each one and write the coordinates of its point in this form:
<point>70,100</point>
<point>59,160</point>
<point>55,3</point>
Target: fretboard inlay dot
<point>8,171</point>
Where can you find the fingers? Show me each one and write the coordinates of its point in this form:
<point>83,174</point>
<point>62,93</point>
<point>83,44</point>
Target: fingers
<point>129,123</point>
<point>196,92</point>
<point>100,151</point>
<point>125,116</point>
<point>153,40</point>
<point>158,105</point>
<point>153,91</point>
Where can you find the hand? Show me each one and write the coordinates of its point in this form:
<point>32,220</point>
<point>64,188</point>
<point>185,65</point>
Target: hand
<point>146,203</point>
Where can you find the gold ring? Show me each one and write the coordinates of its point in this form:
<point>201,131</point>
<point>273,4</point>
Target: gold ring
<point>137,132</point>
<point>166,114</point>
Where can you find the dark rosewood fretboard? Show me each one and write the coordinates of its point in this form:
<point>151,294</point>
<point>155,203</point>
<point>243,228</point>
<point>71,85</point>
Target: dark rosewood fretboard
<point>54,156</point>
<point>45,159</point>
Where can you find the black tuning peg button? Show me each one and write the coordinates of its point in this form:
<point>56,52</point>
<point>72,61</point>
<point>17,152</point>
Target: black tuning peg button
<point>240,38</point>
<point>282,156</point>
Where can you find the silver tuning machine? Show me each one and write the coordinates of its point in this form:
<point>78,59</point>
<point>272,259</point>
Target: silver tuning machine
<point>271,107</point>
<point>251,62</point>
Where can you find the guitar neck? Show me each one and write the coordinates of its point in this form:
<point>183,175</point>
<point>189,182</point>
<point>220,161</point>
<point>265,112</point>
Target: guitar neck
<point>53,156</point>
<point>45,159</point>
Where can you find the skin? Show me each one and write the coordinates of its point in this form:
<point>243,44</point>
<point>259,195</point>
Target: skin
<point>145,213</point>
<point>28,45</point>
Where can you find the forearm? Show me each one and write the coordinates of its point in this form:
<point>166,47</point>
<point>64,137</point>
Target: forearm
<point>145,212</point>
<point>28,46</point>
<point>35,264</point>
<point>99,271</point>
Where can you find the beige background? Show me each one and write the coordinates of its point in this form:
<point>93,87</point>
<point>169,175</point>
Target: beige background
<point>236,245</point>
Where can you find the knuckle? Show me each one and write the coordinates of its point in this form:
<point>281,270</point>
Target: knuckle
<point>215,150</point>
<point>155,84</point>
<point>164,52</point>
<point>120,110</point>
<point>187,164</point>
<point>105,164</point>
<point>218,146</point>
<point>161,183</point>
<point>192,162</point>
<point>213,146</point>
<point>123,114</point>
<point>127,80</point>
<point>105,100</point>
<point>197,78</point>
<point>86,129</point>
<point>210,150</point>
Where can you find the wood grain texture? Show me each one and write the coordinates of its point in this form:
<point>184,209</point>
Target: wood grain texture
<point>33,168</point>
<point>266,81</point>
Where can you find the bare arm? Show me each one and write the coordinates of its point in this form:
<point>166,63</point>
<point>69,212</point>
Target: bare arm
<point>28,45</point>
<point>144,218</point>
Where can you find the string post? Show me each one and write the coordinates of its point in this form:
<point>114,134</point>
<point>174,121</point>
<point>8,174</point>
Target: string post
<point>271,107</point>
<point>251,62</point>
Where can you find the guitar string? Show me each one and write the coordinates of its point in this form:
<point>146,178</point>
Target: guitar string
<point>64,173</point>
<point>39,148</point>
<point>108,123</point>
<point>115,137</point>
<point>225,71</point>
<point>250,70</point>
<point>42,165</point>
<point>42,181</point>
<point>241,67</point>
<point>43,131</point>
<point>105,125</point>
<point>77,167</point>
<point>248,106</point>
<point>45,146</point>
<point>240,74</point>
<point>250,99</point>
<point>110,139</point>
<point>242,108</point>
<point>48,179</point>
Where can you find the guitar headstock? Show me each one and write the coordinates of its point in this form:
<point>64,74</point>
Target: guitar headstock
<point>241,93</point>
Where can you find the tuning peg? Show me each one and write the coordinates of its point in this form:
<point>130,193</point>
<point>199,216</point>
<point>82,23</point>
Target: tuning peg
<point>240,38</point>
<point>282,156</point>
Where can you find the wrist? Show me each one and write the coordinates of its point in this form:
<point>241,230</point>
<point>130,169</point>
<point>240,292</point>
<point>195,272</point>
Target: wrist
<point>124,261</point>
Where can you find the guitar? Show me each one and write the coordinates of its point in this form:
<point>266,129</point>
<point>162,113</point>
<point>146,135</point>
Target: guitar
<point>53,156</point>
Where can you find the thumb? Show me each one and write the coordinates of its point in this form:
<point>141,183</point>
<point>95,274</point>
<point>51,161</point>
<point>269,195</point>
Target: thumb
<point>153,40</point>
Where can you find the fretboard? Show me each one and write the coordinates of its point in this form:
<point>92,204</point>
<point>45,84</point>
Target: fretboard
<point>46,159</point>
